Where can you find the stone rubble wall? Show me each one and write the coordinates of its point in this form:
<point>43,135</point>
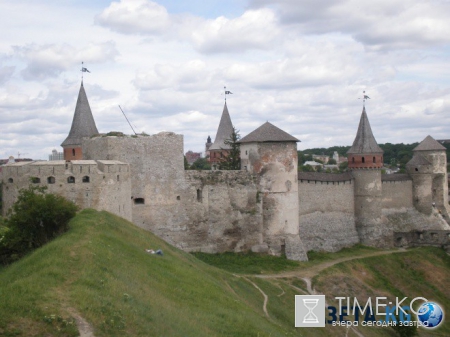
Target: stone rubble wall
<point>326,215</point>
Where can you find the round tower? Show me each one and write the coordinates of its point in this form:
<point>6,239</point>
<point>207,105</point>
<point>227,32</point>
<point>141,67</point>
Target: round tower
<point>428,169</point>
<point>365,160</point>
<point>83,125</point>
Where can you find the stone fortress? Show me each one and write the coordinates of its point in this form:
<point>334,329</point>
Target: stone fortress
<point>267,206</point>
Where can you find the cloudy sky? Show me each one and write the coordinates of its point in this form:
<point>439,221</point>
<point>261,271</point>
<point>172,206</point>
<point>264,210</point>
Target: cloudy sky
<point>300,64</point>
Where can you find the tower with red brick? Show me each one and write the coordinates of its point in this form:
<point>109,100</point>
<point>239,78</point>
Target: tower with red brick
<point>365,160</point>
<point>83,125</point>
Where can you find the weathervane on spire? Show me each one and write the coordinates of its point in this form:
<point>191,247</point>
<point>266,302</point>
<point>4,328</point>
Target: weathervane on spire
<point>364,98</point>
<point>83,70</point>
<point>227,92</point>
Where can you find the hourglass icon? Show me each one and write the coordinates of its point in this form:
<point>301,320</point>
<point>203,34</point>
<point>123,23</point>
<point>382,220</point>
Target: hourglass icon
<point>310,304</point>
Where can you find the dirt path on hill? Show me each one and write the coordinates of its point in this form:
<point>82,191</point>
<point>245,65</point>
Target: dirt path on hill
<point>310,272</point>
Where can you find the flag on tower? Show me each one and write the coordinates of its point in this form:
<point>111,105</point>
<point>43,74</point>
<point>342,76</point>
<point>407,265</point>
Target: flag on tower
<point>228,93</point>
<point>84,70</point>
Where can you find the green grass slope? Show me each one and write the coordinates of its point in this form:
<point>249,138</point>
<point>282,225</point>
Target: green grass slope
<point>100,271</point>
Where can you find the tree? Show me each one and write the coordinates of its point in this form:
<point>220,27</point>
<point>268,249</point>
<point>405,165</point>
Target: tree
<point>232,160</point>
<point>186,164</point>
<point>200,164</point>
<point>332,161</point>
<point>35,218</point>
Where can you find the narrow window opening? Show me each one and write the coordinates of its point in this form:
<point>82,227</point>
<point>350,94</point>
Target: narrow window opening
<point>363,160</point>
<point>73,152</point>
<point>353,159</point>
<point>199,195</point>
<point>35,180</point>
<point>139,201</point>
<point>178,197</point>
<point>51,180</point>
<point>417,170</point>
<point>71,180</point>
<point>10,180</point>
<point>86,179</point>
<point>81,169</point>
<point>118,178</point>
<point>374,160</point>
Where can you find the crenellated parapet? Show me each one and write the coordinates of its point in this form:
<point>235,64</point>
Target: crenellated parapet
<point>101,184</point>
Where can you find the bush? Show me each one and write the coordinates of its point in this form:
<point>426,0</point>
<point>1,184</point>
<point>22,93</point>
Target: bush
<point>35,219</point>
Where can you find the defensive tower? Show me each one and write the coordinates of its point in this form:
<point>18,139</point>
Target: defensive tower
<point>219,149</point>
<point>272,154</point>
<point>83,125</point>
<point>365,159</point>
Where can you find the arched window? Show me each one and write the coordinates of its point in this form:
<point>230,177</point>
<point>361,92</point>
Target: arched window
<point>353,159</point>
<point>363,160</point>
<point>374,160</point>
<point>86,179</point>
<point>50,180</point>
<point>71,180</point>
<point>139,201</point>
<point>35,180</point>
<point>10,180</point>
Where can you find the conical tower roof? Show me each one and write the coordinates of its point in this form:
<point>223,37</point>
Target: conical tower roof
<point>429,144</point>
<point>268,133</point>
<point>364,142</point>
<point>224,131</point>
<point>83,124</point>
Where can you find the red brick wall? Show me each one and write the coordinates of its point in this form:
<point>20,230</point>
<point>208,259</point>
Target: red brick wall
<point>73,153</point>
<point>365,161</point>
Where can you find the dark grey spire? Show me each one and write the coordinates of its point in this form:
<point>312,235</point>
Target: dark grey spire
<point>83,124</point>
<point>364,142</point>
<point>268,133</point>
<point>429,144</point>
<point>224,131</point>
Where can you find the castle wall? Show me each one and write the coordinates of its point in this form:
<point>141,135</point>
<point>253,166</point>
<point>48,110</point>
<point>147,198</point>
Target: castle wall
<point>326,214</point>
<point>397,194</point>
<point>103,185</point>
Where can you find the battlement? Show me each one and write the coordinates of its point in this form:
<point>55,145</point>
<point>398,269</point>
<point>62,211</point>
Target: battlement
<point>436,238</point>
<point>101,184</point>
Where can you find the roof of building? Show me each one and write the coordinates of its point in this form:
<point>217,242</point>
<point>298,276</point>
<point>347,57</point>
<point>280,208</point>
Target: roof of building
<point>365,141</point>
<point>83,124</point>
<point>316,176</point>
<point>429,144</point>
<point>417,160</point>
<point>223,132</point>
<point>312,163</point>
<point>268,133</point>
<point>395,177</point>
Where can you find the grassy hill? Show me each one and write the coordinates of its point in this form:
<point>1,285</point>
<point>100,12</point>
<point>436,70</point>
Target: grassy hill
<point>99,273</point>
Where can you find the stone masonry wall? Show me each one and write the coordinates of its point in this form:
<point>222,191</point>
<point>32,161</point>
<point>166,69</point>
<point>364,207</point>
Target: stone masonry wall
<point>397,194</point>
<point>326,215</point>
<point>103,185</point>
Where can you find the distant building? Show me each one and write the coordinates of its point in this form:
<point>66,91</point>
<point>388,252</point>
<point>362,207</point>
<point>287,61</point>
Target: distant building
<point>313,164</point>
<point>191,157</point>
<point>207,146</point>
<point>56,155</point>
<point>323,158</point>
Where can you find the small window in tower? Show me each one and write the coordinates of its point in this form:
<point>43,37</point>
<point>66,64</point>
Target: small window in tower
<point>73,152</point>
<point>71,180</point>
<point>363,160</point>
<point>86,179</point>
<point>10,180</point>
<point>374,160</point>
<point>81,168</point>
<point>50,180</point>
<point>417,170</point>
<point>118,178</point>
<point>353,159</point>
<point>199,195</point>
<point>139,201</point>
<point>178,197</point>
<point>246,152</point>
<point>35,180</point>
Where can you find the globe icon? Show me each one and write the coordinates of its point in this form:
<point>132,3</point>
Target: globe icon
<point>430,314</point>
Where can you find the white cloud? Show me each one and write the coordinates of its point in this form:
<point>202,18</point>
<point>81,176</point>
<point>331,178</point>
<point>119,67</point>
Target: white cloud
<point>50,60</point>
<point>135,17</point>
